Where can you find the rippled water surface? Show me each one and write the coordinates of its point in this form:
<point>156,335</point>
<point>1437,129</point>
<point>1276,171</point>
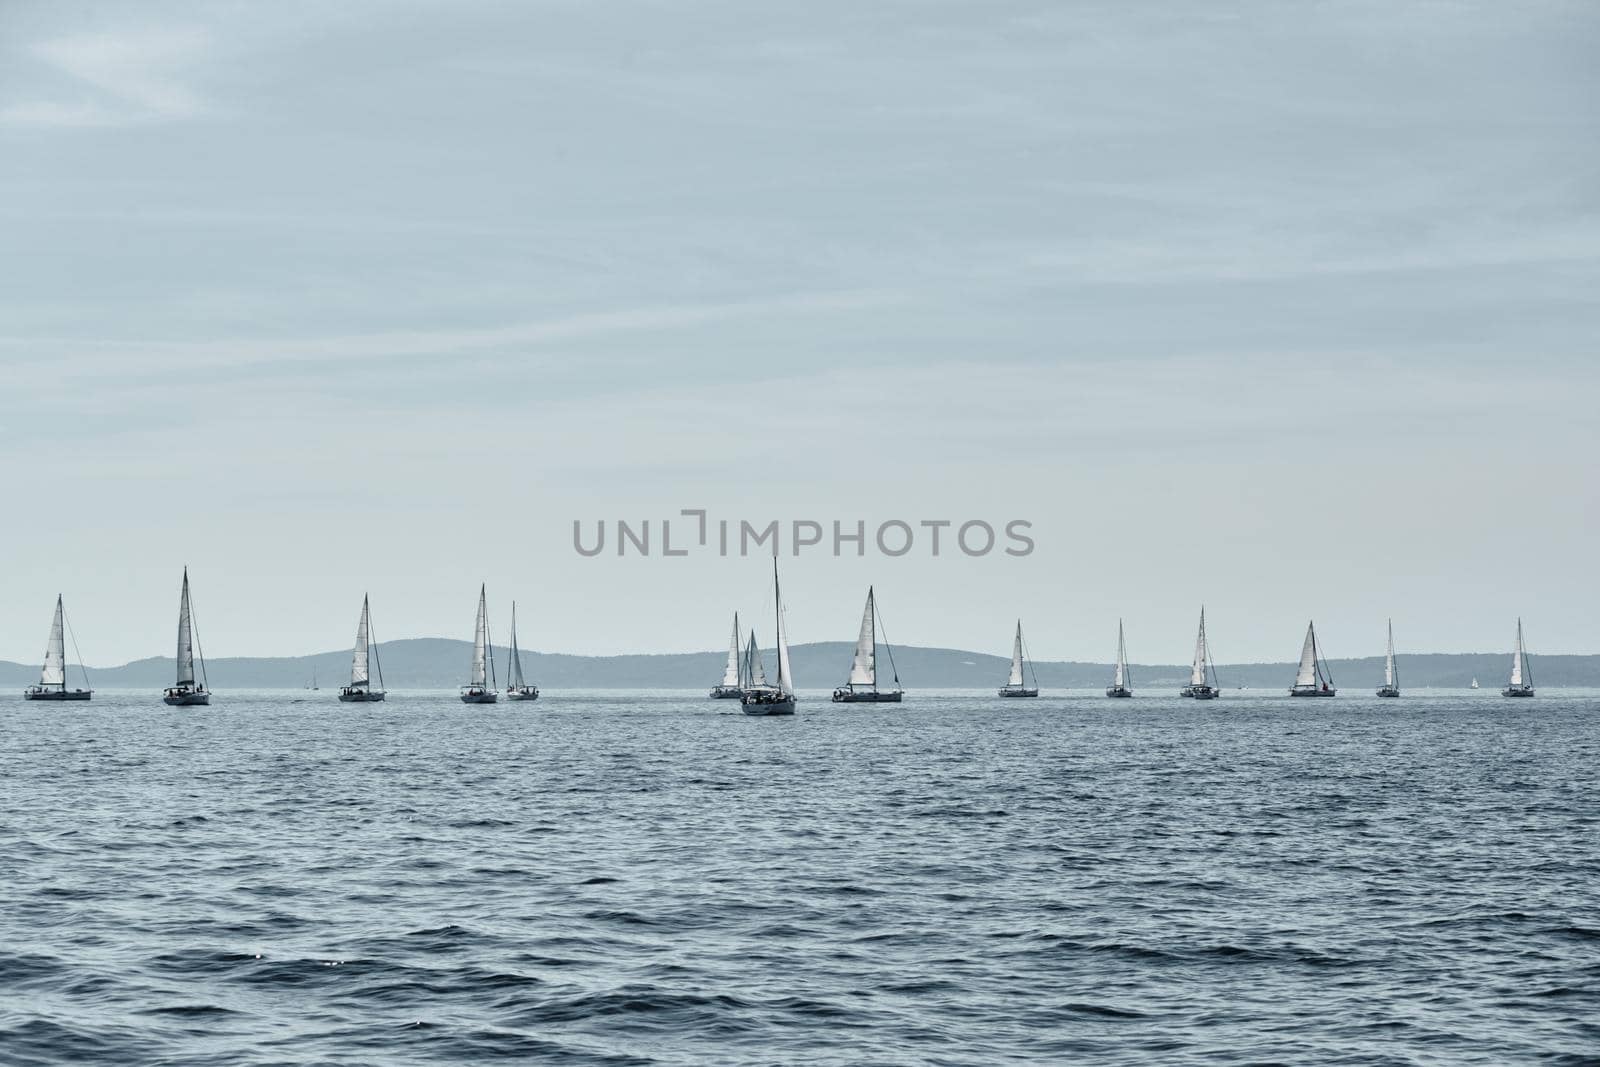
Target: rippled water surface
<point>627,878</point>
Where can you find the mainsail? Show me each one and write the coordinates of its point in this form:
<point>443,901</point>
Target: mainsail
<point>1308,661</point>
<point>755,670</point>
<point>480,642</point>
<point>785,675</point>
<point>1388,662</point>
<point>730,674</point>
<point>515,681</point>
<point>1197,673</point>
<point>360,674</point>
<point>55,654</point>
<point>1015,677</point>
<point>864,668</point>
<point>1517,659</point>
<point>185,636</point>
<point>1121,679</point>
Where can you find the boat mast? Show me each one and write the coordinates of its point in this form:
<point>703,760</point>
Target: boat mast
<point>777,618</point>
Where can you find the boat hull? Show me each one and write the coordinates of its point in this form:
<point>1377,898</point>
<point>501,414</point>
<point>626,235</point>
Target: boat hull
<point>479,696</point>
<point>1121,692</point>
<point>768,706</point>
<point>1017,691</point>
<point>186,698</point>
<point>1200,692</point>
<point>361,696</point>
<point>1312,691</point>
<point>865,696</point>
<point>726,692</point>
<point>527,692</point>
<point>57,694</point>
<point>1517,691</point>
<point>1389,691</point>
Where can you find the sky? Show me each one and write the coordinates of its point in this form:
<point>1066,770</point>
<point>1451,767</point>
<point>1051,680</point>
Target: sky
<point>1289,310</point>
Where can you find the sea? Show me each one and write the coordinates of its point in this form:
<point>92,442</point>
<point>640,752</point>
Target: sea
<point>653,878</point>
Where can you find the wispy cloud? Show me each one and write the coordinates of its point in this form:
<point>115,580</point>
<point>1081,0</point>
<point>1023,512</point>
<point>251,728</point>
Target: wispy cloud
<point>116,79</point>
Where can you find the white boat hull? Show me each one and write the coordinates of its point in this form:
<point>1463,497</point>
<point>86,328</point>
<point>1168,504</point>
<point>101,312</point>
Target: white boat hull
<point>1017,691</point>
<point>361,696</point>
<point>527,692</point>
<point>726,692</point>
<point>1517,691</point>
<point>1200,692</point>
<point>865,696</point>
<point>759,706</point>
<point>1312,691</point>
<point>479,696</point>
<point>186,698</point>
<point>57,694</point>
<point>1119,691</point>
<point>1389,691</point>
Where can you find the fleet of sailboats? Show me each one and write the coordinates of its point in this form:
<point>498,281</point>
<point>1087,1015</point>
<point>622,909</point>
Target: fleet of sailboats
<point>362,662</point>
<point>481,685</point>
<point>1202,673</point>
<point>744,676</point>
<point>1521,682</point>
<point>1391,676</point>
<point>1121,682</point>
<point>779,698</point>
<point>862,686</point>
<point>53,674</point>
<point>1313,679</point>
<point>188,690</point>
<point>1015,686</point>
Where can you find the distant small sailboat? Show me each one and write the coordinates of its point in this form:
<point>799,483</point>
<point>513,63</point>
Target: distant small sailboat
<point>186,691</point>
<point>480,688</point>
<point>730,688</point>
<point>518,687</point>
<point>1521,682</point>
<point>1203,673</point>
<point>1391,676</point>
<point>862,687</point>
<point>1122,681</point>
<point>53,675</point>
<point>1474,685</point>
<point>778,699</point>
<point>1313,679</point>
<point>1015,686</point>
<point>362,660</point>
<point>314,684</point>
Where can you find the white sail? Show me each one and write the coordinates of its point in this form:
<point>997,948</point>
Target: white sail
<point>1121,680</point>
<point>360,674</point>
<point>1308,660</point>
<point>1197,673</point>
<point>1516,658</point>
<point>864,668</point>
<point>785,675</point>
<point>1388,662</point>
<point>54,672</point>
<point>515,681</point>
<point>480,642</point>
<point>185,636</point>
<point>757,670</point>
<point>730,674</point>
<point>1015,677</point>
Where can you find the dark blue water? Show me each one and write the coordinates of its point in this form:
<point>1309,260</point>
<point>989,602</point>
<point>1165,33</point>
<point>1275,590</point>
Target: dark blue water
<point>657,879</point>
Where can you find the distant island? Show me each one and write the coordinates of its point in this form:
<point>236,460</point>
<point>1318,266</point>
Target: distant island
<point>440,663</point>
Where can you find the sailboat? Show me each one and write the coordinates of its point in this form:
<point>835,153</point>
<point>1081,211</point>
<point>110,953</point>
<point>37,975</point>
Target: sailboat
<point>1313,679</point>
<point>362,660</point>
<point>480,688</point>
<point>1015,686</point>
<point>186,691</point>
<point>1521,681</point>
<point>1199,687</point>
<point>1122,680</point>
<point>1391,676</point>
<point>730,688</point>
<point>53,675</point>
<point>752,672</point>
<point>1474,685</point>
<point>862,686</point>
<point>778,699</point>
<point>517,687</point>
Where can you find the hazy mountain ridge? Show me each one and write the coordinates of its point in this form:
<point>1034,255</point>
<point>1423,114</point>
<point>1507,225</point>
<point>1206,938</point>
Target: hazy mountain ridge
<point>441,663</point>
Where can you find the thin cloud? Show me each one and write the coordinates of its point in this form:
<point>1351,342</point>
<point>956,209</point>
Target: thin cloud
<point>120,79</point>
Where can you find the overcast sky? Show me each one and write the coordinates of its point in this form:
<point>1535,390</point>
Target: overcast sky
<point>1286,308</point>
